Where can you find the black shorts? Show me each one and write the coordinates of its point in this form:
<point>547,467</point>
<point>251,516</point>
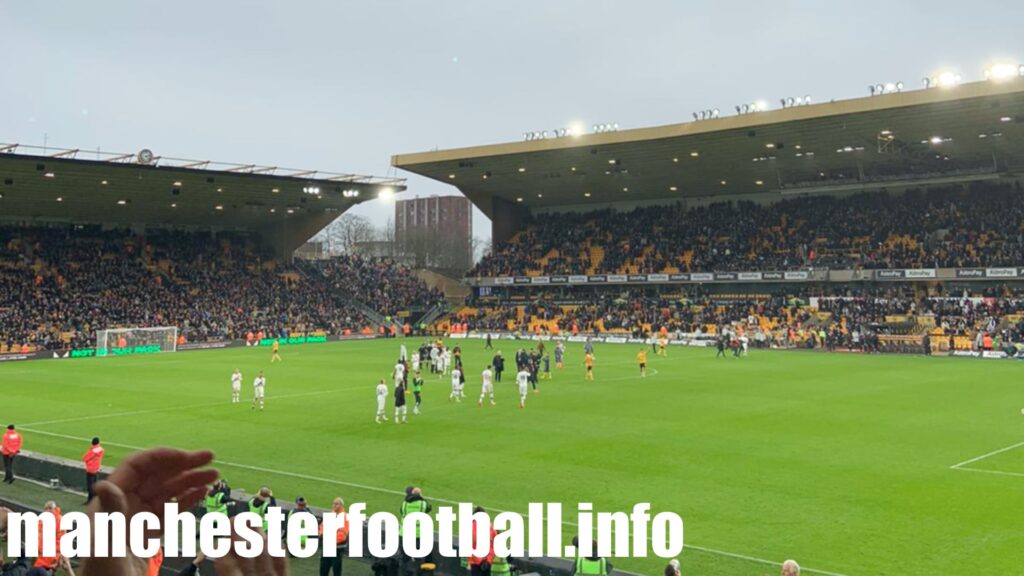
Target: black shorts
<point>643,365</point>
<point>590,368</point>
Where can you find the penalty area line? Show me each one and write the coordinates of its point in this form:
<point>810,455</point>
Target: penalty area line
<point>380,490</point>
<point>984,456</point>
<point>997,472</point>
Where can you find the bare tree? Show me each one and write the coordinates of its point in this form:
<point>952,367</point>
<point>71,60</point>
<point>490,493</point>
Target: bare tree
<point>481,248</point>
<point>345,233</point>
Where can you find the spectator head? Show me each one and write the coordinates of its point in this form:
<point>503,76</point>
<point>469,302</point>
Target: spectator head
<point>265,492</point>
<point>790,568</point>
<point>10,426</point>
<point>50,506</point>
<point>672,569</point>
<point>300,502</point>
<point>95,440</point>
<point>338,505</point>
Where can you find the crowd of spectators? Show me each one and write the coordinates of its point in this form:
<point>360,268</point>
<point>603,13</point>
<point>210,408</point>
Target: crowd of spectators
<point>846,317</point>
<point>58,285</point>
<point>385,285</point>
<point>977,227</point>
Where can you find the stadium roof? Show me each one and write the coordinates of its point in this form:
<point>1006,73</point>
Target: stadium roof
<point>961,133</point>
<point>78,186</point>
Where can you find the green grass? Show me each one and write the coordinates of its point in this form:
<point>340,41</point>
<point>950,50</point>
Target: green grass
<point>839,461</point>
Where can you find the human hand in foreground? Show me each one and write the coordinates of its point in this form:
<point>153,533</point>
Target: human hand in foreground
<point>144,482</point>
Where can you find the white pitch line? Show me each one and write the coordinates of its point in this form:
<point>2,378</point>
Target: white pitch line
<point>182,407</point>
<point>990,454</point>
<point>391,492</point>
<point>998,472</point>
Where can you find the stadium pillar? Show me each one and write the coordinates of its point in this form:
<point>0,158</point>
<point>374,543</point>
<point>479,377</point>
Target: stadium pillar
<point>507,218</point>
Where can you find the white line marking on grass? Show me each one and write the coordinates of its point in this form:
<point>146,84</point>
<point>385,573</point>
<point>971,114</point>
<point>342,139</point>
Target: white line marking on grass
<point>185,407</point>
<point>391,492</point>
<point>999,472</point>
<point>989,455</point>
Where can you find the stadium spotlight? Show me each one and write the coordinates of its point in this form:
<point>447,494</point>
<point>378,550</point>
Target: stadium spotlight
<point>758,106</point>
<point>1003,71</point>
<point>887,88</point>
<point>386,194</point>
<point>707,114</point>
<point>798,101</point>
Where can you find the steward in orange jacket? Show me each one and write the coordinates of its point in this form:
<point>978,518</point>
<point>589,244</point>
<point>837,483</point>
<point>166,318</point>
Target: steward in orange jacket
<point>333,565</point>
<point>11,448</point>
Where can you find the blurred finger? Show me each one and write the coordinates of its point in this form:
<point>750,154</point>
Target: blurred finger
<point>138,469</point>
<point>176,485</point>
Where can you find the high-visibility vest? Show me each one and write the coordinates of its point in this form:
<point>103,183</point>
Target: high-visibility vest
<point>501,567</point>
<point>215,504</point>
<point>261,510</point>
<point>93,459</point>
<point>408,508</point>
<point>591,567</point>
<point>342,535</point>
<point>303,538</point>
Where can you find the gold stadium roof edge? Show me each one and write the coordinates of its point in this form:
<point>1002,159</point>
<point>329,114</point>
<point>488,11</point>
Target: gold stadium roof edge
<point>924,137</point>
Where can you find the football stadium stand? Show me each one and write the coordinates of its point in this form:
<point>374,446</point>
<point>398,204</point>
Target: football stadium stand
<point>141,241</point>
<point>889,223</point>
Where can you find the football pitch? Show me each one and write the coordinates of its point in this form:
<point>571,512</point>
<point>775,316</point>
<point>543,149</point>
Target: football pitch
<point>850,464</point>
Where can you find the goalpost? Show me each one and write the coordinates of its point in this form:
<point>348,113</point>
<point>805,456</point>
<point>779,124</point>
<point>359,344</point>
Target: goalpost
<point>119,341</point>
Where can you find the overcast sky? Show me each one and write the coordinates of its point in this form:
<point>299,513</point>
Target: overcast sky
<point>342,85</point>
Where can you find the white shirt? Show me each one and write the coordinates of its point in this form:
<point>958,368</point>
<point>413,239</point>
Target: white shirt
<point>456,377</point>
<point>236,380</point>
<point>399,371</point>
<point>486,376</point>
<point>523,379</point>
<point>259,382</point>
<point>382,391</point>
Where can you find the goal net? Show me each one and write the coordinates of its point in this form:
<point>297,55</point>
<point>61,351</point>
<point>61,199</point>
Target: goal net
<point>120,341</point>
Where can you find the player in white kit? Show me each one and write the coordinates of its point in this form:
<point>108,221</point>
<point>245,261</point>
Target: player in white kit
<point>487,386</point>
<point>415,362</point>
<point>446,360</point>
<point>456,386</point>
<point>382,400</point>
<point>258,386</point>
<point>435,359</point>
<point>236,386</point>
<point>399,372</point>
<point>523,382</point>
